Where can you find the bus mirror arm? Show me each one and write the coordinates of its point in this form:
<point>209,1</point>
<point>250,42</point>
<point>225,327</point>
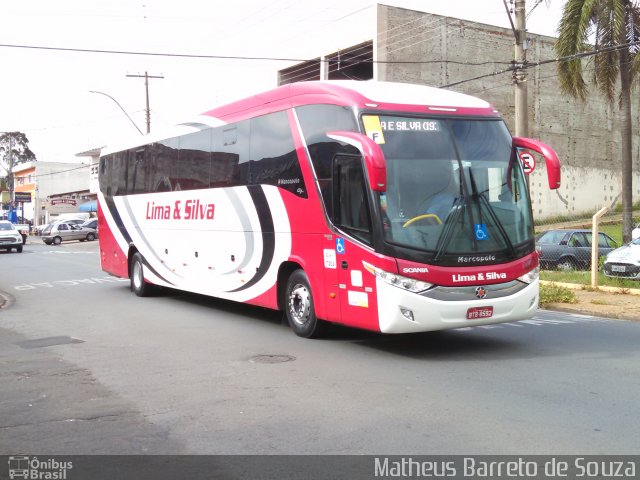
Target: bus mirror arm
<point>552,162</point>
<point>371,153</point>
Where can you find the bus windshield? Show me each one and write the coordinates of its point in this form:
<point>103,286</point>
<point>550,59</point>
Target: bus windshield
<point>454,187</point>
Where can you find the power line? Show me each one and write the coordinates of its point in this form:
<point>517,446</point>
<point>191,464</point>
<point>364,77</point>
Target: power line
<point>567,58</point>
<point>61,171</point>
<point>219,57</point>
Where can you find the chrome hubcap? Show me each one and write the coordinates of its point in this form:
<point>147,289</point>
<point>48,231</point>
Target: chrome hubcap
<point>299,304</point>
<point>137,275</point>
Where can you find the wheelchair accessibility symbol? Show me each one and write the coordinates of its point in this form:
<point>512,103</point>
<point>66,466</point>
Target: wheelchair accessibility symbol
<point>340,245</point>
<point>481,231</point>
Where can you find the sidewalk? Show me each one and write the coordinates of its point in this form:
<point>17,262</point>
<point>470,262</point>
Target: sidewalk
<point>606,302</point>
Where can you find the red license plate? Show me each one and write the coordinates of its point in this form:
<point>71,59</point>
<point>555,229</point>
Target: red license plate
<point>476,313</point>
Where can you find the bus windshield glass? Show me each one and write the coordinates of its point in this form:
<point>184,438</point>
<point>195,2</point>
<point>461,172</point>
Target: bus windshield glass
<point>454,186</point>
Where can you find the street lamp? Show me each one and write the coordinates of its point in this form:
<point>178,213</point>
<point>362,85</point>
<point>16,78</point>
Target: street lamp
<point>123,110</point>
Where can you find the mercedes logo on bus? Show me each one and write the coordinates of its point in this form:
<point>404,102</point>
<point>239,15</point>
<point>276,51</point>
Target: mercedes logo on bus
<point>481,292</point>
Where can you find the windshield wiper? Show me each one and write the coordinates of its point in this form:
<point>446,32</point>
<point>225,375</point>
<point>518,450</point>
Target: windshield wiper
<point>492,214</point>
<point>449,225</point>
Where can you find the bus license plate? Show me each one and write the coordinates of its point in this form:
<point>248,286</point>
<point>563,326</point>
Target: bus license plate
<point>618,268</point>
<point>476,313</point>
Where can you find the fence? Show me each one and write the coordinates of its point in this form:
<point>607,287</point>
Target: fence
<point>566,244</point>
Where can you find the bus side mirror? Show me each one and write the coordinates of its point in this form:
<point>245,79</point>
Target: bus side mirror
<point>372,155</point>
<point>550,157</point>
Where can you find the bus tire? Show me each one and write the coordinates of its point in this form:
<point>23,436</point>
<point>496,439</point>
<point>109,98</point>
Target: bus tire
<point>299,307</point>
<point>136,275</point>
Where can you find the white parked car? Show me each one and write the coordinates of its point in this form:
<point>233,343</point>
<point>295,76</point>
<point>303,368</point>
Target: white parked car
<point>635,233</point>
<point>10,237</point>
<point>624,262</point>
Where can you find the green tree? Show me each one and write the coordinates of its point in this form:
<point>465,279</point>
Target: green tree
<point>615,27</point>
<point>14,149</point>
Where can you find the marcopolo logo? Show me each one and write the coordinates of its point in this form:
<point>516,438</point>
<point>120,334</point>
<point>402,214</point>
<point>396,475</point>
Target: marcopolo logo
<point>38,469</point>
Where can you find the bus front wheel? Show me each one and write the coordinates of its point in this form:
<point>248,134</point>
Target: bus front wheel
<point>299,307</point>
<point>138,285</point>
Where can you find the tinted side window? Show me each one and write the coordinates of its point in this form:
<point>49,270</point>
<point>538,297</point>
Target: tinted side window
<point>273,155</point>
<point>194,161</point>
<point>138,165</point>
<point>230,157</point>
<point>162,165</point>
<point>315,122</point>
<point>105,174</point>
<point>119,173</point>
<point>351,210</point>
<point>224,165</point>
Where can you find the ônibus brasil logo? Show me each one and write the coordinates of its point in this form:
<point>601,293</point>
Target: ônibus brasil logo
<point>22,466</point>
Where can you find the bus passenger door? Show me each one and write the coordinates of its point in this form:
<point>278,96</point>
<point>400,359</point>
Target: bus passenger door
<point>352,216</point>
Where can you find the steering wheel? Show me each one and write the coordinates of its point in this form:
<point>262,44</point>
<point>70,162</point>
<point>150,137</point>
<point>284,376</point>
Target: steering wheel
<point>431,216</point>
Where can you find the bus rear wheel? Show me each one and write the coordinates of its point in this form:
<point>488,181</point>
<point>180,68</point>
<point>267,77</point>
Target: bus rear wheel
<point>299,307</point>
<point>136,274</point>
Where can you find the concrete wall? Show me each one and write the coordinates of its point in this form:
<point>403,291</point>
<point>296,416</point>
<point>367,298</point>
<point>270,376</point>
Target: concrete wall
<point>57,177</point>
<point>585,135</point>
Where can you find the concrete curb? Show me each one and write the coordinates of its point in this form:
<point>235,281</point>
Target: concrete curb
<point>579,286</point>
<point>582,310</point>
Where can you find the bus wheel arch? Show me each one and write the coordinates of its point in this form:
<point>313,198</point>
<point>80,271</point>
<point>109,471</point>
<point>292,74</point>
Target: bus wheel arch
<point>284,272</point>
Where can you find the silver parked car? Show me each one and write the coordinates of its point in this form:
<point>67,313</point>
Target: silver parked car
<point>624,262</point>
<point>64,231</point>
<point>10,237</point>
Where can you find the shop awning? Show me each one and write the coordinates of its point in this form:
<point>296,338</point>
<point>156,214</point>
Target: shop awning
<point>91,206</point>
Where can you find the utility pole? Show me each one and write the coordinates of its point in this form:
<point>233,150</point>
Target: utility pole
<point>520,72</point>
<point>10,176</point>
<point>146,77</point>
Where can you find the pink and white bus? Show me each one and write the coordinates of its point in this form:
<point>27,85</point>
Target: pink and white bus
<point>382,206</point>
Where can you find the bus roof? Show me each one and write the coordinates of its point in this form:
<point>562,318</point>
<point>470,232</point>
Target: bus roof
<point>368,94</point>
<point>361,94</point>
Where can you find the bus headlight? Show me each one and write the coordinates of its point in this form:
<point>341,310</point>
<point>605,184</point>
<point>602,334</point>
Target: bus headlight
<point>410,284</point>
<point>531,276</point>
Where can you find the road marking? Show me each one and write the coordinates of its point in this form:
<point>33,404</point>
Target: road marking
<point>69,283</point>
<point>538,321</point>
<point>64,252</point>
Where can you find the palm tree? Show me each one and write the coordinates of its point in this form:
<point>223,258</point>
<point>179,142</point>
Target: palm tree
<point>615,26</point>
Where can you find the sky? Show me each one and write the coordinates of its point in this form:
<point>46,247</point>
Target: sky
<point>47,91</point>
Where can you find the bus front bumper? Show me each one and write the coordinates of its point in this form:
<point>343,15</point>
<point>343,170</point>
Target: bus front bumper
<point>401,311</point>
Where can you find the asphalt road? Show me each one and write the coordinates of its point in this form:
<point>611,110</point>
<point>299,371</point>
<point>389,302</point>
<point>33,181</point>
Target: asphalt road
<point>178,373</point>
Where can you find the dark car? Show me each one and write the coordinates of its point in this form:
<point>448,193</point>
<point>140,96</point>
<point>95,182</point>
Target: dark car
<point>570,249</point>
<point>91,223</point>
